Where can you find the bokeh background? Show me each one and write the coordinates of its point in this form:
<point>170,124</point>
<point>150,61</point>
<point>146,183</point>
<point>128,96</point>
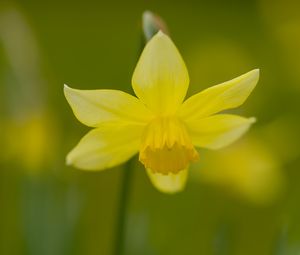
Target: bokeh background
<point>241,200</point>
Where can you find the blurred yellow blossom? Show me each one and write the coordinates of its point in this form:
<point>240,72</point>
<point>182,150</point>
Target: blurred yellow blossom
<point>247,168</point>
<point>158,124</point>
<point>30,141</point>
<point>29,131</point>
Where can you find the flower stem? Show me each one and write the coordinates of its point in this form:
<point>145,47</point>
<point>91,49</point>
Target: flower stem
<point>122,211</point>
<point>151,25</point>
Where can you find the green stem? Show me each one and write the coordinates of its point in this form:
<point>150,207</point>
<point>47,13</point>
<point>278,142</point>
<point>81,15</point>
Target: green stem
<point>151,25</point>
<point>122,211</point>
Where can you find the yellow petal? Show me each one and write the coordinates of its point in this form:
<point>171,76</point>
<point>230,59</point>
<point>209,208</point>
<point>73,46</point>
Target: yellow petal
<point>170,183</point>
<point>218,131</point>
<point>160,78</point>
<point>95,107</point>
<point>224,96</point>
<point>105,147</point>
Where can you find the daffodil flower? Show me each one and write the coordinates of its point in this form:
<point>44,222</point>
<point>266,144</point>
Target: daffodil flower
<point>158,124</point>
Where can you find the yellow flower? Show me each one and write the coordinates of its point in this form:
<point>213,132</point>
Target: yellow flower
<point>157,123</point>
<point>249,169</point>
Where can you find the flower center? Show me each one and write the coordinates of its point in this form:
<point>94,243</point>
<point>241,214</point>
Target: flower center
<point>166,146</point>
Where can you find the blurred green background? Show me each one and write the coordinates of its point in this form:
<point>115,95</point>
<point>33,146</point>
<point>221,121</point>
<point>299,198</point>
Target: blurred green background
<point>241,200</point>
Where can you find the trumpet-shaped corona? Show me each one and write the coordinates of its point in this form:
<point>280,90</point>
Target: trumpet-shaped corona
<point>166,146</point>
<point>157,123</point>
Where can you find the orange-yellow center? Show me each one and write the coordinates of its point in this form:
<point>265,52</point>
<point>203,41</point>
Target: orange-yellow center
<point>166,146</point>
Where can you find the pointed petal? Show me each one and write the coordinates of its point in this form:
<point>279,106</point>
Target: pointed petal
<point>95,107</point>
<point>218,131</point>
<point>160,78</point>
<point>224,96</point>
<point>170,183</point>
<point>106,147</point>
